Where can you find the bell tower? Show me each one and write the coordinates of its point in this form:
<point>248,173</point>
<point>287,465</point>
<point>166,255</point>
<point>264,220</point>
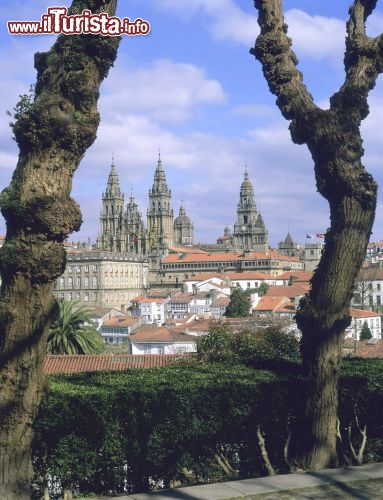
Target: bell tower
<point>111,218</point>
<point>250,233</point>
<point>160,211</point>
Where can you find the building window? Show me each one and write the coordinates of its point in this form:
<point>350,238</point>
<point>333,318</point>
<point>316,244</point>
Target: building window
<point>62,296</point>
<point>86,281</point>
<point>70,296</point>
<point>86,268</point>
<point>78,296</point>
<point>378,300</point>
<point>95,282</point>
<point>70,282</point>
<point>78,269</point>
<point>78,282</point>
<point>62,282</point>
<point>86,297</point>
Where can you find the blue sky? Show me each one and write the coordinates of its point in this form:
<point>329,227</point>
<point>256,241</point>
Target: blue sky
<point>192,90</point>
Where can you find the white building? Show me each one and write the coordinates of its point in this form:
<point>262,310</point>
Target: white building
<point>152,309</point>
<point>150,339</point>
<point>246,280</point>
<point>369,289</point>
<point>359,317</point>
<point>116,330</point>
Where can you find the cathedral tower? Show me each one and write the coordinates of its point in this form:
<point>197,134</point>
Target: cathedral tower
<point>135,229</point>
<point>250,233</point>
<point>183,229</point>
<point>111,218</point>
<point>160,212</point>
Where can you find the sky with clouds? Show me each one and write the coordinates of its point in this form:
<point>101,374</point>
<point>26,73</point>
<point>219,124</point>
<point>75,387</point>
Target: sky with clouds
<point>192,90</point>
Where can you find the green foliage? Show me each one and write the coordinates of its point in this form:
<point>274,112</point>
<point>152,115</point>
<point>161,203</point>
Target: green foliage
<point>365,334</point>
<point>250,346</point>
<point>109,433</point>
<point>217,344</point>
<point>239,305</point>
<point>23,105</point>
<point>263,287</point>
<point>73,332</point>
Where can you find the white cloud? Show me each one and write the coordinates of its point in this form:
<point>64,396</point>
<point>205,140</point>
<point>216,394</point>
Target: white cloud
<point>166,90</point>
<point>223,18</point>
<point>316,37</point>
<point>374,25</point>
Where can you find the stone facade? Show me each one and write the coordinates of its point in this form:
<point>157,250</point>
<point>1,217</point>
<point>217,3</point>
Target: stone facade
<point>250,233</point>
<point>122,229</point>
<point>102,279</point>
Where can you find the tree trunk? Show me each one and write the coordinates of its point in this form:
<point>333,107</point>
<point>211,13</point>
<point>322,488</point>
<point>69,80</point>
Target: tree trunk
<point>333,138</point>
<point>52,133</point>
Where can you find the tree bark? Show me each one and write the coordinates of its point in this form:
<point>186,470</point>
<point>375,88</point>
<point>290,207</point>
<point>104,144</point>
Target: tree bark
<point>53,134</point>
<point>333,138</point>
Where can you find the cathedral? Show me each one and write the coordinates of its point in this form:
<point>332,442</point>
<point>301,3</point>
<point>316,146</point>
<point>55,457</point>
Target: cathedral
<point>250,233</point>
<point>122,229</point>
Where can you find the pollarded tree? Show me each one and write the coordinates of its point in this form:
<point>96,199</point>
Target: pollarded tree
<point>53,131</point>
<point>334,141</point>
<point>73,331</point>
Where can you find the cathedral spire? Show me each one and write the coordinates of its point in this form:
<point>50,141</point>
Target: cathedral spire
<point>160,212</point>
<point>246,175</point>
<point>111,217</point>
<point>113,184</point>
<point>250,232</point>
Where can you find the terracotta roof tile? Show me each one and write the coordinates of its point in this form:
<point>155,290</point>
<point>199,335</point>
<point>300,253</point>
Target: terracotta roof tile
<point>370,274</point>
<point>93,363</point>
<point>362,313</point>
<point>292,291</point>
<point>298,275</point>
<point>221,302</point>
<point>198,326</point>
<point>101,311</point>
<point>372,348</point>
<point>151,333</point>
<point>181,297</point>
<point>271,303</point>
<point>156,300</point>
<point>121,322</point>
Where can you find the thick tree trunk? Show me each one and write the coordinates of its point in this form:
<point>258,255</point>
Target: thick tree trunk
<point>322,318</point>
<point>53,134</point>
<point>333,138</point>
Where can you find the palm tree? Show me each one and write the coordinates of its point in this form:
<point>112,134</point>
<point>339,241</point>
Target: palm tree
<point>73,332</point>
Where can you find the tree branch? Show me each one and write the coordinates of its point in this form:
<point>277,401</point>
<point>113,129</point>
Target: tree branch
<point>265,456</point>
<point>273,49</point>
<point>363,63</point>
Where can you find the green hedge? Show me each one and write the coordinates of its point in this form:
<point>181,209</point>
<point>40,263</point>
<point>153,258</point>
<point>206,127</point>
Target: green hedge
<point>110,433</point>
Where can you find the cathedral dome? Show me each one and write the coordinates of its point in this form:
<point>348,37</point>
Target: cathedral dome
<point>182,220</point>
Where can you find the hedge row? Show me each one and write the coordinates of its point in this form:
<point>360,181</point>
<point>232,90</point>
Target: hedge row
<point>109,433</point>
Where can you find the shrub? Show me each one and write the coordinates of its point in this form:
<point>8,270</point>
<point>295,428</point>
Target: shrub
<point>365,334</point>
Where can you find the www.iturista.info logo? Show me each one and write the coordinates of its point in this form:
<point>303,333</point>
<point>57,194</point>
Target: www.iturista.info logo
<point>56,21</point>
